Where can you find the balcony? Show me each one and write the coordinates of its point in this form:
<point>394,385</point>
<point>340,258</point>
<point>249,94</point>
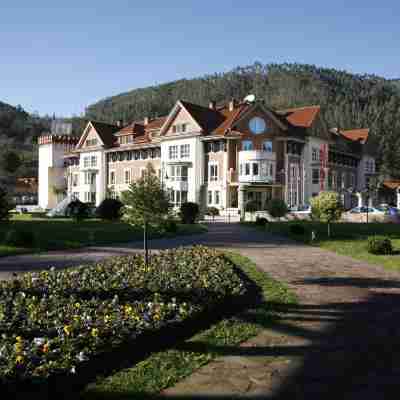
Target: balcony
<point>257,166</point>
<point>232,176</point>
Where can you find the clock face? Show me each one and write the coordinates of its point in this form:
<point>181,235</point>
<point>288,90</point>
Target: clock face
<point>257,125</point>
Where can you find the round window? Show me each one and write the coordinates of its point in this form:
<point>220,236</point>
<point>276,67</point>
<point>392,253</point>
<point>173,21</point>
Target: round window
<point>257,125</point>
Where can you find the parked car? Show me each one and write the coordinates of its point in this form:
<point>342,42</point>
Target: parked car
<point>375,214</point>
<point>300,212</point>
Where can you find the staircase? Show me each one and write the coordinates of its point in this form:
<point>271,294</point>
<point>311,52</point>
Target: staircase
<point>60,208</point>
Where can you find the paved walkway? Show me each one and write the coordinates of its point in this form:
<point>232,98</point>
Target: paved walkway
<point>342,339</point>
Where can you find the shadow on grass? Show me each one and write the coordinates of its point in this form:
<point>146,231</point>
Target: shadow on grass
<point>352,348</point>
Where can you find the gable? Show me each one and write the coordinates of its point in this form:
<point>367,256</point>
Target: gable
<point>92,139</point>
<point>243,125</point>
<point>182,117</point>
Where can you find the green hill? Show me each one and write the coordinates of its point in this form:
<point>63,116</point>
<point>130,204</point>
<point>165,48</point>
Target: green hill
<point>347,100</point>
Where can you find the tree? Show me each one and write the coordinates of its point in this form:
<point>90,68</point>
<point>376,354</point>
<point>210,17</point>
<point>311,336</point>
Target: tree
<point>5,205</point>
<point>327,207</point>
<point>11,162</point>
<point>277,208</point>
<point>110,209</point>
<point>77,210</point>
<point>189,212</point>
<point>146,203</point>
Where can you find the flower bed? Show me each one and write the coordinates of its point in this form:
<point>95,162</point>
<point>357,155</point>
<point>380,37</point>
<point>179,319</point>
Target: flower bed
<point>52,323</point>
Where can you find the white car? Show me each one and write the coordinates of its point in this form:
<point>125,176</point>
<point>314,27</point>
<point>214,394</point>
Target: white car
<point>378,214</point>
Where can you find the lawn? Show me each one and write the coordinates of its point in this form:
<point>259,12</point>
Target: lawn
<point>55,234</point>
<point>349,239</point>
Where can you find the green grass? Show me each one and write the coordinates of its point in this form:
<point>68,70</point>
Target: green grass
<point>55,234</point>
<point>348,239</point>
<point>165,368</point>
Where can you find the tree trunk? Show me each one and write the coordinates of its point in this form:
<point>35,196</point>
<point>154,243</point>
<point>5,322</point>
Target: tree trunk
<point>329,229</point>
<point>146,246</point>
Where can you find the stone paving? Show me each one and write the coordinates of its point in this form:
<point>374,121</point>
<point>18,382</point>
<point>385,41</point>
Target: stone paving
<point>342,339</point>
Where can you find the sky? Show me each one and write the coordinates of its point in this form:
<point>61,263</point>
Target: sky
<point>59,57</point>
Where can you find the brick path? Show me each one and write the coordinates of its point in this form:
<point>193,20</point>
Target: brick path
<point>342,339</point>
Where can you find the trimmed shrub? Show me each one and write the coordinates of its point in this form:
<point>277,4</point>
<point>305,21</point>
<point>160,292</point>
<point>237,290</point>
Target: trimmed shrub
<point>277,208</point>
<point>212,212</point>
<point>251,206</point>
<point>189,212</point>
<point>170,226</point>
<point>110,209</point>
<point>379,245</point>
<point>19,238</point>
<point>297,229</point>
<point>261,221</point>
<point>77,210</point>
<point>5,205</point>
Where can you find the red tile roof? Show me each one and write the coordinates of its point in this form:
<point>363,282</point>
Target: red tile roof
<point>392,184</point>
<point>106,132</point>
<point>156,123</point>
<point>302,117</point>
<point>356,135</point>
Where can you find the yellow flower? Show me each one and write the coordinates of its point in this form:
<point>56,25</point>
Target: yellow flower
<point>106,318</point>
<point>18,339</point>
<point>77,305</point>
<point>95,332</point>
<point>67,329</point>
<point>19,360</point>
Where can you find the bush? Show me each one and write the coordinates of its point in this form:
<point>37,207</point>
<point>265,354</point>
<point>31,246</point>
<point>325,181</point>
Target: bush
<point>212,212</point>
<point>297,229</point>
<point>77,210</point>
<point>59,322</point>
<point>170,226</point>
<point>277,208</point>
<point>5,205</point>
<point>110,209</point>
<point>261,221</point>
<point>251,206</point>
<point>379,245</point>
<point>189,212</point>
<point>19,238</point>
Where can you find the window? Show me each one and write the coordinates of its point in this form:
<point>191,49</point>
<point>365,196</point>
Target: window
<point>352,180</point>
<point>247,145</point>
<point>93,161</point>
<point>90,197</point>
<point>343,180</point>
<point>241,169</point>
<point>75,180</point>
<point>255,168</point>
<point>112,177</point>
<point>91,142</point>
<point>142,172</point>
<point>179,128</point>
<point>315,176</point>
<point>173,152</point>
<point>315,154</point>
<point>127,176</point>
<point>247,168</point>
<point>216,197</point>
<point>185,150</point>
<point>125,139</point>
<point>90,178</point>
<point>179,173</point>
<point>271,169</point>
<point>213,172</point>
<point>209,197</point>
<point>267,146</point>
<point>257,125</point>
<point>86,162</point>
<point>178,197</point>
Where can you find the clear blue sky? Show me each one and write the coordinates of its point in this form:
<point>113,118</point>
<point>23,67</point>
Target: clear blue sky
<point>62,56</point>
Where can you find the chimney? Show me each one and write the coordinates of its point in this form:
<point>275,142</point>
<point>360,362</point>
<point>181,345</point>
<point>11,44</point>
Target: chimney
<point>146,121</point>
<point>231,105</point>
<point>212,105</point>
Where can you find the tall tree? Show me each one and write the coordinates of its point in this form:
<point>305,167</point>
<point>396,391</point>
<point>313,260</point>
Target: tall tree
<point>146,204</point>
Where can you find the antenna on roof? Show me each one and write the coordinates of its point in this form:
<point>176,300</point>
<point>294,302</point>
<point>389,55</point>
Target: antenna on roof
<point>250,98</point>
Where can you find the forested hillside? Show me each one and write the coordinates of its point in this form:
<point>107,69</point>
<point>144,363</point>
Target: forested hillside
<point>18,136</point>
<point>347,100</point>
